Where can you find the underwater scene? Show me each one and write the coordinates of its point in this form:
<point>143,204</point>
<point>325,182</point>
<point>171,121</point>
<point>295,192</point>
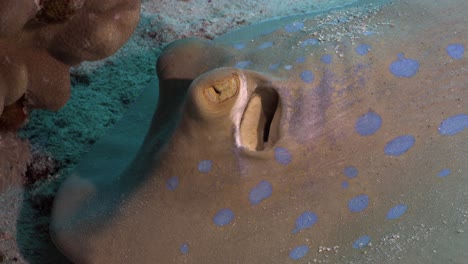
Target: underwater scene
<point>250,131</point>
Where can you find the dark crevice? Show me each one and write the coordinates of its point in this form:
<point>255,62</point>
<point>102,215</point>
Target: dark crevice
<point>259,125</point>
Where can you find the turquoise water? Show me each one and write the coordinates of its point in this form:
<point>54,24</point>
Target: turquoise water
<point>95,108</point>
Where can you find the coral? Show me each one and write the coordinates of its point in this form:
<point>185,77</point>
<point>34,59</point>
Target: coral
<point>14,157</point>
<point>41,166</point>
<point>39,41</point>
<point>13,116</point>
<point>37,48</point>
<point>58,10</point>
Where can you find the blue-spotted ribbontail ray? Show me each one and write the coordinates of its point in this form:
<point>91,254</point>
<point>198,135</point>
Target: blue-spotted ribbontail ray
<point>326,138</point>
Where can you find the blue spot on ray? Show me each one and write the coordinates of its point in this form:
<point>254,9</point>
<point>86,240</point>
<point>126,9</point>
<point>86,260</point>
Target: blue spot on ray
<point>344,184</point>
<point>274,66</point>
<point>361,242</point>
<point>205,166</point>
<point>444,172</point>
<point>294,27</point>
<point>358,203</point>
<point>453,125</point>
<point>282,156</point>
<point>300,59</point>
<point>184,248</point>
<point>327,58</point>
<point>260,192</point>
<point>243,64</point>
<point>309,42</point>
<point>397,211</point>
<point>239,46</point>
<point>172,183</point>
<point>223,217</point>
<point>307,76</point>
<point>363,49</point>
<point>350,172</point>
<point>368,124</point>
<point>399,145</point>
<point>299,252</point>
<point>265,45</point>
<point>455,51</point>
<point>306,220</point>
<point>403,67</point>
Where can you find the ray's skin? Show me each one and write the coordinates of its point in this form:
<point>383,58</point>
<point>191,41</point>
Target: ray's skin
<point>287,149</point>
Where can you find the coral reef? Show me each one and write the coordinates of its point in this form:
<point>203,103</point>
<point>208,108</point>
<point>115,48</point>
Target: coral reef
<point>39,41</point>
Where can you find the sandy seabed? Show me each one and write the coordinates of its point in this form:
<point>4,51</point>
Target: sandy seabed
<point>101,93</point>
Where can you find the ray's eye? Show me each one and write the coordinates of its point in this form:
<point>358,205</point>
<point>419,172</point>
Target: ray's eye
<point>222,91</point>
<point>213,94</point>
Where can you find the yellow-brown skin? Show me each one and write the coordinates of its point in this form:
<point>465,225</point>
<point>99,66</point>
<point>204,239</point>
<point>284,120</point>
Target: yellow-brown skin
<point>129,215</point>
<point>40,40</point>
